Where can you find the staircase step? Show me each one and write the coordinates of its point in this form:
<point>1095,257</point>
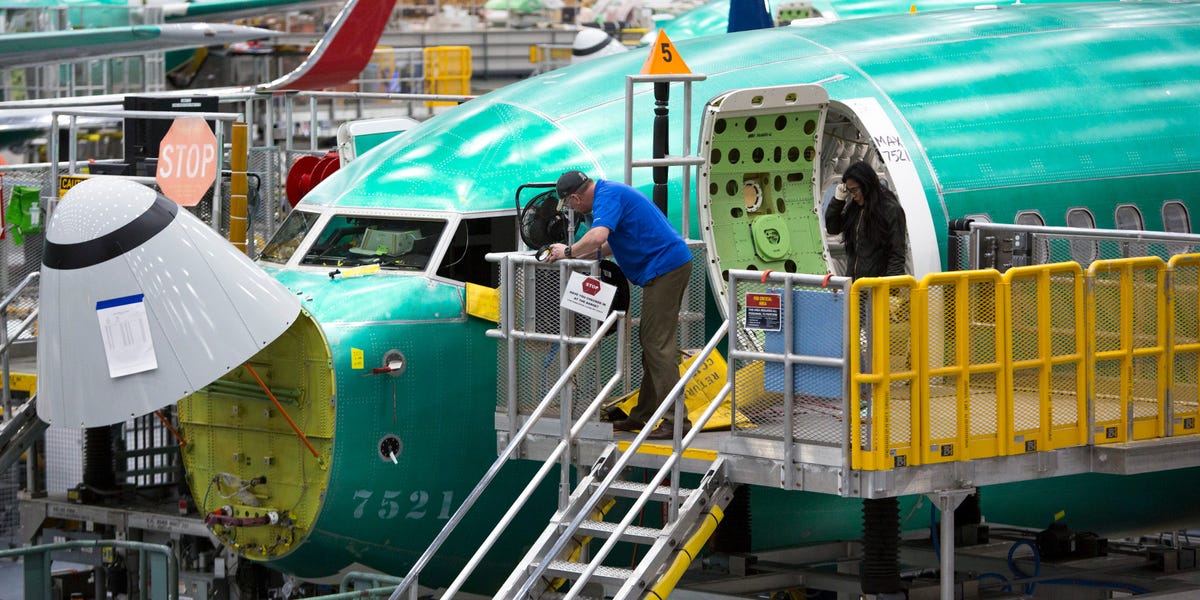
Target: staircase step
<point>604,574</point>
<point>633,533</point>
<point>632,489</point>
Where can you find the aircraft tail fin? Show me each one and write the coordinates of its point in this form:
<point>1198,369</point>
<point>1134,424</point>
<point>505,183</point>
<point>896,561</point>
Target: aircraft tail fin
<point>344,51</point>
<point>746,15</point>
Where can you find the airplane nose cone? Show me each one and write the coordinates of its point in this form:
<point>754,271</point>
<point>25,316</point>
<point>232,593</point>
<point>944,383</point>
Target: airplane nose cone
<point>142,304</point>
<point>592,43</point>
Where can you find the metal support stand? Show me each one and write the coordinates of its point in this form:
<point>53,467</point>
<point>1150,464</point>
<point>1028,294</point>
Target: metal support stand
<point>947,501</point>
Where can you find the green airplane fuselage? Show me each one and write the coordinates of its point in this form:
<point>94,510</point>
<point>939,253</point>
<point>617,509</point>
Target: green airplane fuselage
<point>998,112</point>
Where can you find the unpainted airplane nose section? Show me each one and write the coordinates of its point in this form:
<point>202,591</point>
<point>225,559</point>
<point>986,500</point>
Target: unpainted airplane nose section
<point>141,305</point>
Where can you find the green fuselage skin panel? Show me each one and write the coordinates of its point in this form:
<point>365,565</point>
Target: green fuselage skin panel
<point>1022,108</point>
<point>991,116</point>
<point>712,18</point>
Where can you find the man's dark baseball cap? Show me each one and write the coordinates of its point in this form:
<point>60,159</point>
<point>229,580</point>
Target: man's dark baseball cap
<point>569,183</point>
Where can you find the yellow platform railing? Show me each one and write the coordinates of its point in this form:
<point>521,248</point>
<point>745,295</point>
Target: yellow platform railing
<point>884,376</point>
<point>975,364</point>
<point>447,71</point>
<point>1127,335</point>
<point>1183,341</point>
<point>1047,377</point>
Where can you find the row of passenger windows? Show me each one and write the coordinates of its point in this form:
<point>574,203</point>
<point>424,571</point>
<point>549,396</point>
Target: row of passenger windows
<point>1128,216</point>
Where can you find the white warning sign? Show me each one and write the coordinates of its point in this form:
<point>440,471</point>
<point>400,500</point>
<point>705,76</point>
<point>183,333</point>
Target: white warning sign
<point>588,296</point>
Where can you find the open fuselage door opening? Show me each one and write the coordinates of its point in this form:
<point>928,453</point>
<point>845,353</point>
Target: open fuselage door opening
<point>775,156</point>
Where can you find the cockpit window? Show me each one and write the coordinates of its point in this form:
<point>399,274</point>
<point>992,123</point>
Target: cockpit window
<point>287,238</point>
<point>348,241</point>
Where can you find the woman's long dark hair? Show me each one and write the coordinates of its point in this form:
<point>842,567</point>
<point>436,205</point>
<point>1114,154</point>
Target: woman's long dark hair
<point>874,196</point>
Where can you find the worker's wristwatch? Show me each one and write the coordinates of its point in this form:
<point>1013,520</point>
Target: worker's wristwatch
<point>567,250</point>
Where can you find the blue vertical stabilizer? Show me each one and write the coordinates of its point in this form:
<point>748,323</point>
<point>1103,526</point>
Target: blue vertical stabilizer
<point>745,15</point>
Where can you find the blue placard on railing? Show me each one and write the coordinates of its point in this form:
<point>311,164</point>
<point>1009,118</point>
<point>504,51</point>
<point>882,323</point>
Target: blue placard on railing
<point>818,329</point>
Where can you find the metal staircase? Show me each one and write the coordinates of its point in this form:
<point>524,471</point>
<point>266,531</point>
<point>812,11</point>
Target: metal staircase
<point>19,423</point>
<point>19,431</point>
<point>559,556</point>
<point>554,560</point>
<point>562,553</point>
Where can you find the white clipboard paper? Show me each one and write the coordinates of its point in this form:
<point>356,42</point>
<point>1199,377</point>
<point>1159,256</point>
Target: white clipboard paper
<point>125,331</point>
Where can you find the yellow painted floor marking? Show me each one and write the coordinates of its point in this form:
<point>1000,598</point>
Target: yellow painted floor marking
<point>665,450</point>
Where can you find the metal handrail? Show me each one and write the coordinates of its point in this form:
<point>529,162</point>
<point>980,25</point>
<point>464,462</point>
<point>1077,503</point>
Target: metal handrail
<point>685,160</point>
<point>73,125</point>
<point>411,579</point>
<point>20,430</point>
<point>788,358</point>
<point>1133,235</point>
<point>38,570</point>
<point>4,311</point>
<point>557,453</point>
<point>379,580</point>
<point>671,463</point>
<point>5,341</point>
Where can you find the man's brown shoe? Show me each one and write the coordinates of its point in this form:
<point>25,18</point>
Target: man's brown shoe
<point>629,424</point>
<point>667,430</point>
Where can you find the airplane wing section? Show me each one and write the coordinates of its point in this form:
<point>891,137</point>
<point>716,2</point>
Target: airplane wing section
<point>210,10</point>
<point>344,51</point>
<point>48,47</point>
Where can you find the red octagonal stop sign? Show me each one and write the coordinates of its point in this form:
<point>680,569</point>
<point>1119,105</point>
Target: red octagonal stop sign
<point>187,161</point>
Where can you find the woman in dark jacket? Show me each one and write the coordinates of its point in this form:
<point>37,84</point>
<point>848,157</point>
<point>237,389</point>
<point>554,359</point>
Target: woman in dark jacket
<point>872,226</point>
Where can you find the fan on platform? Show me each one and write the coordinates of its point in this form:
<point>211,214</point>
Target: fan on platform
<point>542,223</point>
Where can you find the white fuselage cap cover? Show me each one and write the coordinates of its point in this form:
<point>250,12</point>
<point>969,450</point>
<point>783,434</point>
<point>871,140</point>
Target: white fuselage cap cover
<point>207,307</point>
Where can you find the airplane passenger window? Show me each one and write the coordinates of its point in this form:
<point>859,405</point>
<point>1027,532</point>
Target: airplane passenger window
<point>1175,217</point>
<point>472,241</point>
<point>399,244</point>
<point>1081,217</point>
<point>1040,246</point>
<point>1082,251</point>
<point>287,238</point>
<point>1129,217</point>
<point>1030,217</point>
<point>1175,220</point>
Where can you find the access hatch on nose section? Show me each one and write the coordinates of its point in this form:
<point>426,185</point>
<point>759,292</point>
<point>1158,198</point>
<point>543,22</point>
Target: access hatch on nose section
<point>758,194</point>
<point>243,458</point>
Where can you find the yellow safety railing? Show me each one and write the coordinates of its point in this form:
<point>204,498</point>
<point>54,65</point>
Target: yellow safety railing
<point>961,374</point>
<point>1047,377</point>
<point>447,71</point>
<point>1126,316</point>
<point>883,378</point>
<point>1183,342</point>
<point>975,364</point>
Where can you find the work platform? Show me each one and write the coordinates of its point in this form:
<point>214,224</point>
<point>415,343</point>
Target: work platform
<point>873,389</point>
<point>821,469</point>
<point>973,378</point>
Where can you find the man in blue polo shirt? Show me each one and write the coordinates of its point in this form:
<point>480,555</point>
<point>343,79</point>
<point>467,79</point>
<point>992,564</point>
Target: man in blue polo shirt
<point>627,226</point>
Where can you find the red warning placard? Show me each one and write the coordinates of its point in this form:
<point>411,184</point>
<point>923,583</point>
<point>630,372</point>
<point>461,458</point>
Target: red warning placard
<point>763,311</point>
